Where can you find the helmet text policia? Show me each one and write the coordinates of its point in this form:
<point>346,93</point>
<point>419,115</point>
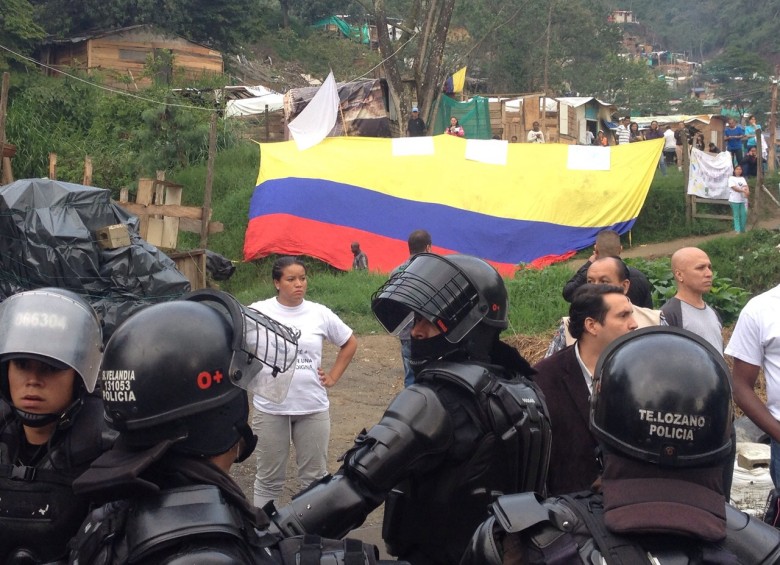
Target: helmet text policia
<point>179,370</point>
<point>662,395</point>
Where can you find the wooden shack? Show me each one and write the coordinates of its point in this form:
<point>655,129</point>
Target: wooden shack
<point>565,120</point>
<point>121,55</point>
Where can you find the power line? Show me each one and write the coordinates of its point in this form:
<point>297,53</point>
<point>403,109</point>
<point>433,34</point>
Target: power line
<point>102,87</point>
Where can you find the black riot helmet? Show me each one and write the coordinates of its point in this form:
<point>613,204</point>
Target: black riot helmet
<point>462,296</point>
<point>455,293</point>
<point>181,370</point>
<point>57,327</point>
<point>662,395</point>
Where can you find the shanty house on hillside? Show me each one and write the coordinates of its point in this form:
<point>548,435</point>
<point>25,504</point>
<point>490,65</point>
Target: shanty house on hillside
<point>122,54</point>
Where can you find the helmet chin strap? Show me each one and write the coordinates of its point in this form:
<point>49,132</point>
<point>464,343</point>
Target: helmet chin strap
<point>423,351</point>
<point>65,419</point>
<point>35,420</point>
<point>249,443</point>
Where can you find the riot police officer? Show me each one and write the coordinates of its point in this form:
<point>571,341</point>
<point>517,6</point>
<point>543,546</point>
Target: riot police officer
<point>174,381</point>
<point>471,428</point>
<point>51,428</point>
<point>661,410</point>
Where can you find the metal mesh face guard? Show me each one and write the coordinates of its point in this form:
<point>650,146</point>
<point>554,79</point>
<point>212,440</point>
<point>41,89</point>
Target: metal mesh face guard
<point>264,351</point>
<point>434,288</point>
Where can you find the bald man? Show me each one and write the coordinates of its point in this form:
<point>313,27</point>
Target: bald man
<point>612,271</point>
<point>692,272</point>
<point>608,245</point>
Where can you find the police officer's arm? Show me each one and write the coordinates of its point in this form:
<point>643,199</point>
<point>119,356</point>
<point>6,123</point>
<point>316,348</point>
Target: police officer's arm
<point>579,279</point>
<point>744,377</point>
<point>413,435</point>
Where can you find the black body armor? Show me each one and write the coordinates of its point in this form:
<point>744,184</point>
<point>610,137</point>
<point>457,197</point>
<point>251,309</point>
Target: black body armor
<point>445,449</point>
<point>39,512</point>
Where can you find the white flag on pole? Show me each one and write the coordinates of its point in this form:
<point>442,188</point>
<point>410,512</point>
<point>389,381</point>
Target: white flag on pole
<point>316,120</point>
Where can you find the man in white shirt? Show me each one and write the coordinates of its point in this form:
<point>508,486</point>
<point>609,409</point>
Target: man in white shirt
<point>535,135</point>
<point>670,146</point>
<point>755,344</point>
<point>622,131</point>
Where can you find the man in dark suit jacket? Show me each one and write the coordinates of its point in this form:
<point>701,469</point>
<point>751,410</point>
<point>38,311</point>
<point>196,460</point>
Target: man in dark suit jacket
<point>599,313</point>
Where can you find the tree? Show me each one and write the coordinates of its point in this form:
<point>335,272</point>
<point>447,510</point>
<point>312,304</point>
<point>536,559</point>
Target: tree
<point>18,32</point>
<point>742,79</point>
<point>223,24</point>
<point>532,46</point>
<point>423,38</point>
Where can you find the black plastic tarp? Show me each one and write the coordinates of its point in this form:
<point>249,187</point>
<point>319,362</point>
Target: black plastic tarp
<point>47,238</point>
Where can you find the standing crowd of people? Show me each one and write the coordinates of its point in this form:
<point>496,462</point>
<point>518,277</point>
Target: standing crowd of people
<point>618,447</point>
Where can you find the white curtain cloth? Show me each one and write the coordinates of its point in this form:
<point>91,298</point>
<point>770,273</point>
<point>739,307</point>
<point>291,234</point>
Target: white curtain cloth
<point>319,116</point>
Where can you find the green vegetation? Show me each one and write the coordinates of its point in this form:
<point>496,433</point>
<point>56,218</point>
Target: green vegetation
<point>724,296</point>
<point>131,137</point>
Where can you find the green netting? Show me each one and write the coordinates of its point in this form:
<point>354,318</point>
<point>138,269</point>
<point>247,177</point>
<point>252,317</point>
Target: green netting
<point>473,115</point>
<point>357,33</point>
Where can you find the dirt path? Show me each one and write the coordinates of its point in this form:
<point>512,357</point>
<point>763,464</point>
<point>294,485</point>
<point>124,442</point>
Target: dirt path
<point>666,248</point>
<point>357,401</point>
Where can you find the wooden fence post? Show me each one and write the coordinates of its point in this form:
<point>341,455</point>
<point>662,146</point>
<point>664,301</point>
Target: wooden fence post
<point>204,227</point>
<point>3,107</point>
<point>53,166</point>
<point>87,181</point>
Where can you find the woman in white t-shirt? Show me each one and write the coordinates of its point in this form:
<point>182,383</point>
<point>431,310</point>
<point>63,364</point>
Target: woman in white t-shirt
<point>302,418</point>
<point>739,191</point>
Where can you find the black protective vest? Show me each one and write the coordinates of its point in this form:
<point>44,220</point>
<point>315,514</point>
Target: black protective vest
<point>196,524</point>
<point>570,531</point>
<point>500,445</point>
<point>38,511</point>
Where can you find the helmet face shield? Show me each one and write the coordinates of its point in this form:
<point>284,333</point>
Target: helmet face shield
<point>437,290</point>
<point>275,346</point>
<point>54,326</point>
<point>264,351</point>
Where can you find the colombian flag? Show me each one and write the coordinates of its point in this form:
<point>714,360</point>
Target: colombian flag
<point>539,204</point>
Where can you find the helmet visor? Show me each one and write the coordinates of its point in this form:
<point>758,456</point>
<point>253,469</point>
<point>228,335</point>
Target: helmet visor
<point>434,288</point>
<point>53,327</point>
<point>264,351</point>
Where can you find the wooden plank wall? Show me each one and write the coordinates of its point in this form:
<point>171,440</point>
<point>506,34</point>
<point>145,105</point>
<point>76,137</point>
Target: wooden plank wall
<point>254,127</point>
<point>124,56</point>
<point>74,55</point>
<point>496,122</point>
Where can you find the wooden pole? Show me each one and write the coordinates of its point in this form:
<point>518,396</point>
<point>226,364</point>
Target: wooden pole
<point>53,166</point>
<point>773,125</point>
<point>87,181</point>
<point>546,67</point>
<point>204,226</point>
<point>685,165</point>
<point>267,125</point>
<point>3,108</point>
<point>756,192</point>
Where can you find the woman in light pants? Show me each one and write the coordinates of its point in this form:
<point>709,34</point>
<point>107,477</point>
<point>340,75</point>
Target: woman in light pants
<point>302,418</point>
<point>738,199</point>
